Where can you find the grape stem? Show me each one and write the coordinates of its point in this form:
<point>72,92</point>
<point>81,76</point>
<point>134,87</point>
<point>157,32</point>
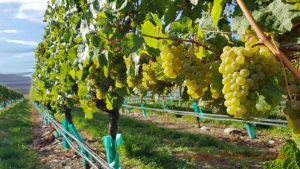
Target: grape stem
<point>280,55</point>
<point>184,40</point>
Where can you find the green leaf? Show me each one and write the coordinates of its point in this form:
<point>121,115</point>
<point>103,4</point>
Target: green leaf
<point>113,101</point>
<point>170,14</point>
<point>82,89</point>
<point>216,76</point>
<point>107,30</point>
<point>73,73</point>
<point>288,157</point>
<point>217,11</point>
<point>79,74</point>
<point>205,22</point>
<point>181,28</point>
<point>297,6</point>
<point>272,92</point>
<point>149,29</point>
<point>96,40</point>
<point>276,17</point>
<point>131,43</point>
<point>261,104</point>
<point>72,55</point>
<point>88,110</point>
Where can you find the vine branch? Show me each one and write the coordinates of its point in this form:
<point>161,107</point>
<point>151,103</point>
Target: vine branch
<point>184,40</point>
<point>267,42</point>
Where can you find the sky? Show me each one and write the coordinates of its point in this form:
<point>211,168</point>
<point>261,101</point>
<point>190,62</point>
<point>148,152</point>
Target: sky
<point>21,29</point>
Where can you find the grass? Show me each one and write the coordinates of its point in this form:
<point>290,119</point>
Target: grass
<point>148,146</point>
<point>268,130</point>
<point>15,128</point>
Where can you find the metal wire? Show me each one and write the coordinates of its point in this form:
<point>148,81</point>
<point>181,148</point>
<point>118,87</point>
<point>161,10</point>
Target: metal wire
<point>214,116</point>
<point>59,128</point>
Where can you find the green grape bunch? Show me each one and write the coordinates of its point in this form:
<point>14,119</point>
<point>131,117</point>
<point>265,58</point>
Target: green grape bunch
<point>244,71</point>
<point>182,60</point>
<point>292,107</point>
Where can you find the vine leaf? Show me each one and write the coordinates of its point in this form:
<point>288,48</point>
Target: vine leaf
<point>217,11</point>
<point>149,29</point>
<point>272,92</point>
<point>131,43</point>
<point>113,100</point>
<point>261,104</point>
<point>181,28</point>
<point>205,22</point>
<point>216,76</point>
<point>82,89</point>
<point>276,17</point>
<point>170,13</point>
<point>88,110</point>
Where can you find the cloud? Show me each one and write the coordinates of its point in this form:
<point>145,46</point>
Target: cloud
<point>22,42</point>
<point>31,10</point>
<point>20,1</point>
<point>10,31</point>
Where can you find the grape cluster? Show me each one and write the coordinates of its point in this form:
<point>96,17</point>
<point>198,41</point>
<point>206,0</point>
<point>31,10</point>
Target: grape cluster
<point>149,75</point>
<point>292,108</point>
<point>244,70</point>
<point>214,93</point>
<point>182,59</point>
<point>197,76</point>
<point>172,58</point>
<point>118,71</point>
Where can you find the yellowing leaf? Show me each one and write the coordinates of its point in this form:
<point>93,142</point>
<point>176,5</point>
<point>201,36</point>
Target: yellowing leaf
<point>217,11</point>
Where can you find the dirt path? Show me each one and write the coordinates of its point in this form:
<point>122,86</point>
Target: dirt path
<point>215,130</point>
<point>50,151</point>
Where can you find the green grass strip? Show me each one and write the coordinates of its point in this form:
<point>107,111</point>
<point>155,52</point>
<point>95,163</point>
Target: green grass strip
<point>15,135</point>
<point>148,146</point>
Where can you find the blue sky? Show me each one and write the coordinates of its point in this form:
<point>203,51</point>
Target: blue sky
<point>21,29</point>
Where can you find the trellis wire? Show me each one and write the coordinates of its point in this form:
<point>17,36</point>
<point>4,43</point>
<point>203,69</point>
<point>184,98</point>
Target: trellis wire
<point>59,128</point>
<point>214,116</point>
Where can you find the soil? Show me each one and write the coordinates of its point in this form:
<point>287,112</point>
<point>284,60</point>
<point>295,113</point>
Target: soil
<point>50,152</point>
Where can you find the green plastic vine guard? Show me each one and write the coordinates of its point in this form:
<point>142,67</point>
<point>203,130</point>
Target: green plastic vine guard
<point>127,108</point>
<point>164,103</point>
<point>46,121</point>
<point>251,130</point>
<point>74,131</point>
<point>65,126</point>
<point>146,99</point>
<point>143,110</point>
<point>136,99</point>
<point>171,98</point>
<point>56,133</point>
<point>111,151</point>
<point>198,110</point>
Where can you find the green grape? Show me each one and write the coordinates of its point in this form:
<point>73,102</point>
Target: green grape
<point>234,87</point>
<point>244,73</point>
<point>240,59</point>
<point>241,80</point>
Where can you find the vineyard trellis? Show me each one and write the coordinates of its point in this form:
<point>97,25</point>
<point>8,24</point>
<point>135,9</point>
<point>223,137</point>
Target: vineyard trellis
<point>8,96</point>
<point>97,52</point>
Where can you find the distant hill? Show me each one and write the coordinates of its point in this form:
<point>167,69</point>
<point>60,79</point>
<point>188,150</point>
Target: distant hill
<point>17,82</point>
